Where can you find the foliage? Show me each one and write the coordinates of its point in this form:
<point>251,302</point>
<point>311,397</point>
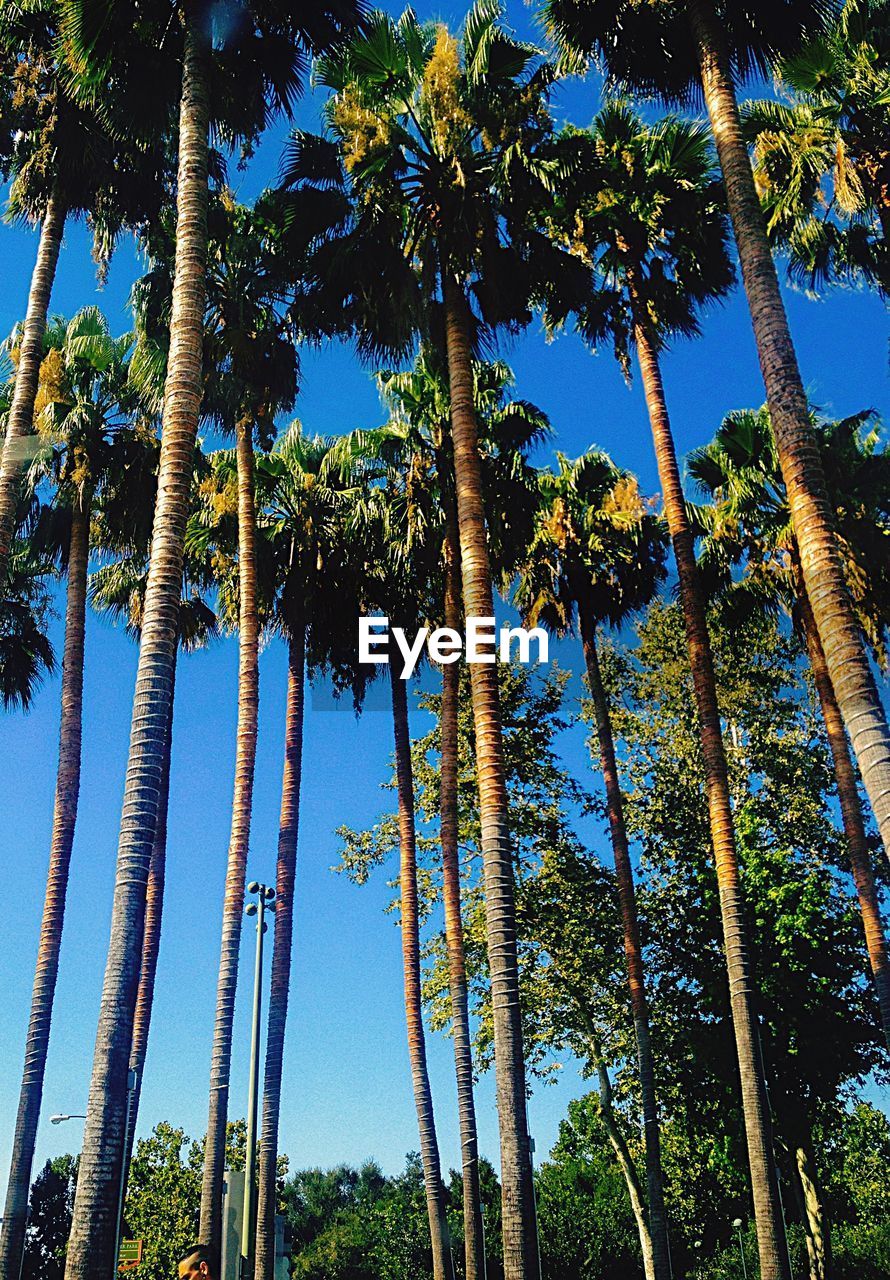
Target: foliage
<point>49,1219</point>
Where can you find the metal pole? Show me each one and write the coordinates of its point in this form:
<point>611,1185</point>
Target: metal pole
<point>258,908</point>
<point>132,1082</point>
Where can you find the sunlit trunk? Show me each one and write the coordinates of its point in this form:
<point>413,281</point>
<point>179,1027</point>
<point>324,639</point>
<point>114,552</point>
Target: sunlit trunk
<point>517,1190</point>
<point>91,1244</point>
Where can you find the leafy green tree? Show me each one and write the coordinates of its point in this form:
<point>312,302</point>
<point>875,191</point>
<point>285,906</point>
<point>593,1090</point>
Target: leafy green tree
<point>820,154</point>
<point>816,1011</point>
<point>49,1219</point>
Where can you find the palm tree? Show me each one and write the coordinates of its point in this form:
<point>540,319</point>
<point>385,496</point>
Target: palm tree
<point>122,535</point>
<point>710,46</point>
<point>264,55</point>
<point>79,405</point>
<point>747,522</point>
<point>597,551</point>
<point>394,524</point>
<point>252,376</point>
<point>820,156</point>
<point>420,404</point>
<point>641,206</point>
<point>437,136</point>
<point>301,565</point>
<point>64,160</point>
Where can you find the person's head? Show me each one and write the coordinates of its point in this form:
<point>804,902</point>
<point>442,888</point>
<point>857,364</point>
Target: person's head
<point>198,1261</point>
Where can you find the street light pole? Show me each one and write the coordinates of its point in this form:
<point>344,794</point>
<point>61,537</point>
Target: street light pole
<point>132,1085</point>
<point>737,1223</point>
<point>259,908</point>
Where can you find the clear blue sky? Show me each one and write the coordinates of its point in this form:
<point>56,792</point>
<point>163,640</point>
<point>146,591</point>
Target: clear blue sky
<point>346,1086</point>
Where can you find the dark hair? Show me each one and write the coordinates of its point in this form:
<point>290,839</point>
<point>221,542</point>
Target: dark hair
<point>198,1253</point>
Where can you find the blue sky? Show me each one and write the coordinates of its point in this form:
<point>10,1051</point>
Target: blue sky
<point>346,1086</point>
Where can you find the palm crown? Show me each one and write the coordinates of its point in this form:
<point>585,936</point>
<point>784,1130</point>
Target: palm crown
<point>440,138</point>
<point>648,44</point>
<point>821,159</point>
<point>641,204</point>
<point>747,520</point>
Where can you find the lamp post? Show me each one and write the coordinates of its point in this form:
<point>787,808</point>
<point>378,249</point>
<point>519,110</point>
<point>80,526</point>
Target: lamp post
<point>264,903</point>
<point>737,1223</point>
<point>59,1118</point>
<point>132,1086</point>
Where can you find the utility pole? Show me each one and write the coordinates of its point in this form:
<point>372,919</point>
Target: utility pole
<point>264,903</point>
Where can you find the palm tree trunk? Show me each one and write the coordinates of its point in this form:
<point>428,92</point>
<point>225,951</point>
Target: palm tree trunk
<point>811,512</point>
<point>764,1184</point>
<point>410,926</point>
<point>288,830</point>
<point>20,419</point>
<point>517,1190</point>
<point>851,811</point>
<point>12,1241</point>
<point>474,1232</point>
<point>632,950</point>
<point>151,941</point>
<point>239,840</point>
<point>91,1243</point>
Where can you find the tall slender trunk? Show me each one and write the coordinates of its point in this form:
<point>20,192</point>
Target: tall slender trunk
<point>410,928</point>
<point>91,1244</point>
<point>20,419</point>
<point>517,1189</point>
<point>288,831</point>
<point>811,513</point>
<point>764,1183</point>
<point>633,950</point>
<point>474,1232</point>
<point>239,840</point>
<point>151,941</point>
<point>814,1220</point>
<point>12,1241</point>
<point>851,812</point>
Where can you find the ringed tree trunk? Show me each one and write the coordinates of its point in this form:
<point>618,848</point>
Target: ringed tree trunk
<point>91,1243</point>
<point>20,419</point>
<point>288,831</point>
<point>764,1183</point>
<point>517,1189</point>
<point>632,950</point>
<point>474,1232</point>
<point>15,1215</point>
<point>811,513</point>
<point>410,928</point>
<point>851,811</point>
<point>239,840</point>
<point>151,941</point>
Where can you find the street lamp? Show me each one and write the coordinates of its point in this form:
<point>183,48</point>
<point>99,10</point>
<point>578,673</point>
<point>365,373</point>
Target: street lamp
<point>737,1223</point>
<point>264,903</point>
<point>59,1118</point>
